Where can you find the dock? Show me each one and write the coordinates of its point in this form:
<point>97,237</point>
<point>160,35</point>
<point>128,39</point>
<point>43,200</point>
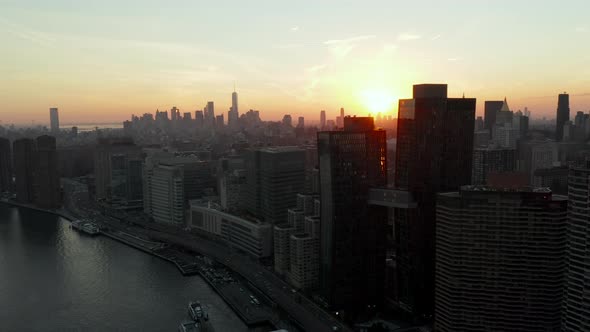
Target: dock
<point>225,283</point>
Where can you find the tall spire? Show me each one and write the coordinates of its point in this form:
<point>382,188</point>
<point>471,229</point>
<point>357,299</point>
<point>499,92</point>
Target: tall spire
<point>505,107</point>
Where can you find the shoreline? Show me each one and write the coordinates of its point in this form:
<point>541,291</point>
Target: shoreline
<point>234,306</point>
<point>63,214</point>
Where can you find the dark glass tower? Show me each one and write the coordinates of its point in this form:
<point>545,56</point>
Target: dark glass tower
<point>352,241</point>
<point>25,155</point>
<point>491,109</point>
<point>434,154</point>
<point>47,182</point>
<point>5,165</point>
<point>563,114</point>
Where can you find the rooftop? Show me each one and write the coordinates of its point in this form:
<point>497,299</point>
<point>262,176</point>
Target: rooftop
<point>520,189</point>
<point>279,149</point>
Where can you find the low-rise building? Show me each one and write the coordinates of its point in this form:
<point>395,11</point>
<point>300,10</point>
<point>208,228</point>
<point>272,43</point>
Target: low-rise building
<point>240,232</point>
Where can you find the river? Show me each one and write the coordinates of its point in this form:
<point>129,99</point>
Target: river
<point>54,279</point>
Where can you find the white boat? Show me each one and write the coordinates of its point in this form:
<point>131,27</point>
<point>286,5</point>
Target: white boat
<point>90,229</point>
<point>86,227</point>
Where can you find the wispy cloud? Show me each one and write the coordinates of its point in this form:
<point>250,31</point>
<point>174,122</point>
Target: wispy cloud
<point>341,47</point>
<point>454,59</point>
<point>408,36</point>
<point>581,28</point>
<point>36,37</point>
<point>295,28</point>
<point>436,37</point>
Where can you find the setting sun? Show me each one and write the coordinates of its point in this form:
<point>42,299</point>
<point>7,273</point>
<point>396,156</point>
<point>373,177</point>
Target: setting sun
<point>378,101</point>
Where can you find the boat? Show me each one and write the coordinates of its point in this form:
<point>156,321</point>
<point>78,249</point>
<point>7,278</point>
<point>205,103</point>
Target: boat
<point>77,224</point>
<point>90,229</point>
<point>197,312</point>
<point>85,226</point>
<point>189,326</point>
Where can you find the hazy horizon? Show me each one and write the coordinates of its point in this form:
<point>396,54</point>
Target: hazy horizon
<point>103,62</point>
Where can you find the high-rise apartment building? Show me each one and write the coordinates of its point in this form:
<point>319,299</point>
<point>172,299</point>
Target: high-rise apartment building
<point>500,257</point>
<point>25,169</point>
<point>5,165</point>
<point>434,154</point>
<point>118,172</point>
<point>576,302</point>
<point>47,186</point>
<point>563,115</point>
<point>296,244</point>
<point>274,175</point>
<point>54,120</point>
<point>167,194</point>
<point>171,180</point>
<point>491,159</point>
<point>352,241</point>
<point>322,120</point>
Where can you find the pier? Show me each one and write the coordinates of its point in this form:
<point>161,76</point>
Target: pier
<point>234,291</point>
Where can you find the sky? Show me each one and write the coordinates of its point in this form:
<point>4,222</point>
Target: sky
<point>101,61</point>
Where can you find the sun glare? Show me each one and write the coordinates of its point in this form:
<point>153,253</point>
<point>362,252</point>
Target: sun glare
<point>378,101</point>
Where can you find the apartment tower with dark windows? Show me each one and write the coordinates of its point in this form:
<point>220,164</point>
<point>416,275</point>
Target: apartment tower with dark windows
<point>47,186</point>
<point>500,257</point>
<point>5,165</point>
<point>274,175</point>
<point>434,154</point>
<point>25,169</point>
<point>352,240</point>
<point>576,302</point>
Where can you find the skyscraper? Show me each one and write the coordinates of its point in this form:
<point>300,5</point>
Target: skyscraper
<point>563,115</point>
<point>210,113</point>
<point>47,186</point>
<point>352,240</point>
<point>118,172</point>
<point>167,194</point>
<point>500,257</point>
<point>322,119</point>
<point>434,153</point>
<point>25,169</point>
<point>5,165</point>
<point>274,176</point>
<point>491,159</point>
<point>233,114</point>
<point>340,119</point>
<point>234,101</point>
<point>576,303</point>
<point>199,118</point>
<point>287,120</point>
<point>301,122</point>
<point>54,119</point>
<point>491,108</point>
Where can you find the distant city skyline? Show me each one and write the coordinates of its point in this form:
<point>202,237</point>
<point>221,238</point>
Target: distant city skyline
<point>101,62</point>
